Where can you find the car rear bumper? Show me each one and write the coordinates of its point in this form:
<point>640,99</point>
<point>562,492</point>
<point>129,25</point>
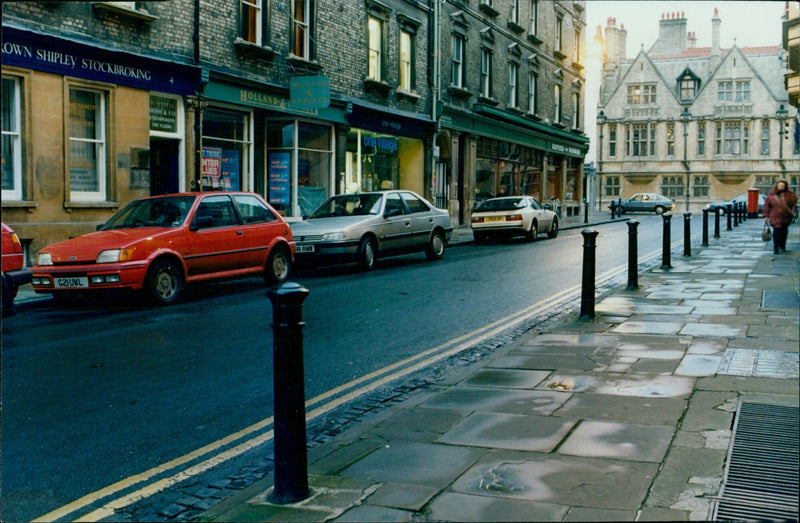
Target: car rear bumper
<point>97,277</point>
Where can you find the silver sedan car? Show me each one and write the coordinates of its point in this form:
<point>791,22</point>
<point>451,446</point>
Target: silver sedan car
<point>362,227</point>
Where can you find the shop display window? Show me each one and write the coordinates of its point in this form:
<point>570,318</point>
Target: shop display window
<point>226,149</point>
<point>372,163</point>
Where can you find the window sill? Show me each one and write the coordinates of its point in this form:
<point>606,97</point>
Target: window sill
<point>559,125</point>
<point>533,116</point>
<point>532,38</point>
<point>120,10</point>
<point>577,66</point>
<point>576,130</point>
<point>488,10</point>
<point>458,92</point>
<point>254,50</point>
<point>90,205</point>
<point>403,94</point>
<point>303,63</point>
<point>515,27</point>
<point>559,55</point>
<point>20,204</point>
<point>488,101</point>
<point>374,85</point>
<point>515,110</point>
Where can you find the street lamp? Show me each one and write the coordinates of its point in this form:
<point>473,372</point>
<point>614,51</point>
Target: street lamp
<point>685,117</point>
<point>781,113</point>
<point>601,120</point>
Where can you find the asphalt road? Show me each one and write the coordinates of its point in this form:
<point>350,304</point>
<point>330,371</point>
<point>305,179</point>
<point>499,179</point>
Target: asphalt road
<point>97,393</point>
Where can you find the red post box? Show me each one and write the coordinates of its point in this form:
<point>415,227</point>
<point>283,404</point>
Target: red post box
<point>752,203</point>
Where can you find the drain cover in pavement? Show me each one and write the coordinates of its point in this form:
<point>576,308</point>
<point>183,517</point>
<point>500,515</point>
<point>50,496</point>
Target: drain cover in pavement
<point>780,300</point>
<point>759,363</point>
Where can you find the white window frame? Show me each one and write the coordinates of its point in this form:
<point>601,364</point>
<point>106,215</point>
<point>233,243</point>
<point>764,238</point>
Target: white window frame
<point>534,16</point>
<point>513,84</point>
<point>406,60</point>
<point>375,45</point>
<point>533,87</point>
<point>765,137</point>
<point>258,14</point>
<point>486,72</point>
<point>557,103</point>
<point>577,54</point>
<point>576,99</point>
<point>305,26</point>
<point>559,33</point>
<point>742,91</point>
<point>15,194</point>
<point>514,16</point>
<point>457,60</point>
<point>100,149</point>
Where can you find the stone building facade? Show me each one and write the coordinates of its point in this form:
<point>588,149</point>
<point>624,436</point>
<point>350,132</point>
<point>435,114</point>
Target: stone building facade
<point>695,124</point>
<point>511,87</point>
<point>106,102</point>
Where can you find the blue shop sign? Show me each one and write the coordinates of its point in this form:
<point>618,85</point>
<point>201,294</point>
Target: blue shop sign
<point>44,52</point>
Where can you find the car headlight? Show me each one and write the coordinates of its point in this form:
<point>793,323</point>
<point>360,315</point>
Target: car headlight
<point>44,258</point>
<point>341,235</point>
<point>114,256</point>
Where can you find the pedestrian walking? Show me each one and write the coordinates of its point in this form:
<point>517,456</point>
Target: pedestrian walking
<point>778,212</point>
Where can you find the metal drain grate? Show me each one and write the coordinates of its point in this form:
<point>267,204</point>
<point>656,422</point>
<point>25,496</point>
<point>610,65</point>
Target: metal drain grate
<point>761,476</point>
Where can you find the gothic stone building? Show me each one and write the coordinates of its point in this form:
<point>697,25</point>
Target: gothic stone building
<point>694,124</point>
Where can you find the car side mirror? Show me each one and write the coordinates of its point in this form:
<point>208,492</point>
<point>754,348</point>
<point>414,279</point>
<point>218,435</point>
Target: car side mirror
<point>201,222</point>
<point>548,207</point>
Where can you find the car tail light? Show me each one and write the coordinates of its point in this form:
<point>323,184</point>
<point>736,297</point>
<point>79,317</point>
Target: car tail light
<point>514,217</point>
<point>477,219</point>
<point>16,242</point>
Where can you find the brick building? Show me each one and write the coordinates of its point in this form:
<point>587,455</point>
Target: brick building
<point>695,124</point>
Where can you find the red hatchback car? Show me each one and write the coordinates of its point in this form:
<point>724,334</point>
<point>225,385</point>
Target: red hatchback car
<point>14,271</point>
<point>161,242</point>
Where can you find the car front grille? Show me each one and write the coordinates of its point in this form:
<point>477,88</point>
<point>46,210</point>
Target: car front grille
<point>309,238</point>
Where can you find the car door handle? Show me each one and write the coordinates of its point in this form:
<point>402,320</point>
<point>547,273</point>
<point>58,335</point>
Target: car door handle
<point>408,224</point>
<point>239,233</point>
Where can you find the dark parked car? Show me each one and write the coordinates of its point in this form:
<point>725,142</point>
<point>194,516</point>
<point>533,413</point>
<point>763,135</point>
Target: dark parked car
<point>646,202</point>
<point>742,198</point>
<point>14,271</point>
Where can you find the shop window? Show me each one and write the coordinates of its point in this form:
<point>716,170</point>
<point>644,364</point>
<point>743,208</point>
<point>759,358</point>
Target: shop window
<point>457,76</point>
<point>373,161</point>
<point>486,72</point>
<point>513,87</point>
<point>303,29</point>
<point>701,185</point>
<point>612,186</point>
<point>12,139</point>
<point>375,60</point>
<point>226,149</point>
<point>87,145</point>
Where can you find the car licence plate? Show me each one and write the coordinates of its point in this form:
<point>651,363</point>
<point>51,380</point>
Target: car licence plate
<point>71,283</point>
<point>495,218</point>
<point>305,248</point>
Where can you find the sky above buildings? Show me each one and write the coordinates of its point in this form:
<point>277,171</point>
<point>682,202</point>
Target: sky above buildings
<point>748,23</point>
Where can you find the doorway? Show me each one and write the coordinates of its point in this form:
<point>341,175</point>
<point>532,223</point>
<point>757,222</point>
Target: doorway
<point>164,166</point>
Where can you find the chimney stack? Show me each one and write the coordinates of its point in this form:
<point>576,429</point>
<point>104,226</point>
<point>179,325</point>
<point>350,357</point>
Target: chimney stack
<point>715,51</point>
<point>691,40</point>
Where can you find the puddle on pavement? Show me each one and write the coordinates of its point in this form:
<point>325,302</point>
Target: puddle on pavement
<point>637,385</point>
<point>648,327</point>
<point>603,439</point>
<point>701,346</point>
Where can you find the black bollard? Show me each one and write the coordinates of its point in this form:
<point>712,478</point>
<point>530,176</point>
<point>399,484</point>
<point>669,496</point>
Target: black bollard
<point>705,227</point>
<point>687,235</point>
<point>742,212</point>
<point>613,206</point>
<point>587,290</point>
<point>665,259</point>
<point>728,212</point>
<point>716,222</point>
<point>291,459</point>
<point>585,210</point>
<point>735,214</point>
<point>633,255</point>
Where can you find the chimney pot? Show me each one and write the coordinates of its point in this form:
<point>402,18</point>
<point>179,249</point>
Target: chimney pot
<point>682,16</point>
<point>716,12</point>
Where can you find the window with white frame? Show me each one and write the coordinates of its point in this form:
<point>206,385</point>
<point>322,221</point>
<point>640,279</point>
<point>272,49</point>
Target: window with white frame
<point>303,28</point>
<point>736,134</point>
<point>765,137</point>
<point>486,72</point>
<point>513,84</point>
<point>718,148</point>
<point>534,13</point>
<point>514,15</point>
<point>743,91</point>
<point>12,138</point>
<point>701,139</point>
<point>557,103</point>
<point>576,104</point>
<point>533,88</point>
<point>559,33</point>
<point>375,61</point>
<point>641,94</point>
<point>577,52</point>
<point>406,61</point>
<point>250,15</point>
<point>670,139</point>
<point>87,144</point>
<point>457,72</point>
<point>688,85</point>
<point>641,139</point>
<point>725,91</point>
<point>612,140</point>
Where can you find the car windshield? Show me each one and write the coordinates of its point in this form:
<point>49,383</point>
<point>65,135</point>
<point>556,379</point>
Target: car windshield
<point>501,204</point>
<point>349,205</point>
<point>151,212</point>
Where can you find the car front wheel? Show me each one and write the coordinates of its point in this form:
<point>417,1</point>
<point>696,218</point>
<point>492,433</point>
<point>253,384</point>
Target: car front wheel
<point>367,252</point>
<point>435,248</point>
<point>279,265</point>
<point>164,282</point>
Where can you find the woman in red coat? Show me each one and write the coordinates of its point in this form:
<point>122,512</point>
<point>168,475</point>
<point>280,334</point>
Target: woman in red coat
<point>778,211</point>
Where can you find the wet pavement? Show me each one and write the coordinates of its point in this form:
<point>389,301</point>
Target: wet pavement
<point>626,416</point>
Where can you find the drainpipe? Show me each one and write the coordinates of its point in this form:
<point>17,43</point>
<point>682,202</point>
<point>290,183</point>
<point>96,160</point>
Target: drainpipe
<point>199,103</point>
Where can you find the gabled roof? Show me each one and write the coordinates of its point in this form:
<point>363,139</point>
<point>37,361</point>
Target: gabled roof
<point>643,56</point>
<point>705,52</point>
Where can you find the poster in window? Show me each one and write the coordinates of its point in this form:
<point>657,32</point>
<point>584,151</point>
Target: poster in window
<point>279,179</point>
<point>211,166</point>
<point>229,173</point>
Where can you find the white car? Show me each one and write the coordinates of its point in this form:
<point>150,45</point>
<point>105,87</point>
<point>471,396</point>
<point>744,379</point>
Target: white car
<point>509,216</point>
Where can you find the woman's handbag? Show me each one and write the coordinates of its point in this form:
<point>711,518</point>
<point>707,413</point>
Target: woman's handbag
<point>766,234</point>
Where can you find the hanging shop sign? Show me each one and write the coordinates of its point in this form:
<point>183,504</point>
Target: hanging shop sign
<point>309,92</point>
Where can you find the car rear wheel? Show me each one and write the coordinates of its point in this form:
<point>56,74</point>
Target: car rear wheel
<point>367,252</point>
<point>553,232</point>
<point>533,231</point>
<point>279,264</point>
<point>660,210</point>
<point>435,247</point>
<point>164,282</point>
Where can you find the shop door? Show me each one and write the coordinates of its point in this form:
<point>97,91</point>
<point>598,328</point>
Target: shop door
<point>164,166</point>
<point>442,187</point>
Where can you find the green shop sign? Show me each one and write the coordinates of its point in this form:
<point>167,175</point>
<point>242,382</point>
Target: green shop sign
<point>266,100</point>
